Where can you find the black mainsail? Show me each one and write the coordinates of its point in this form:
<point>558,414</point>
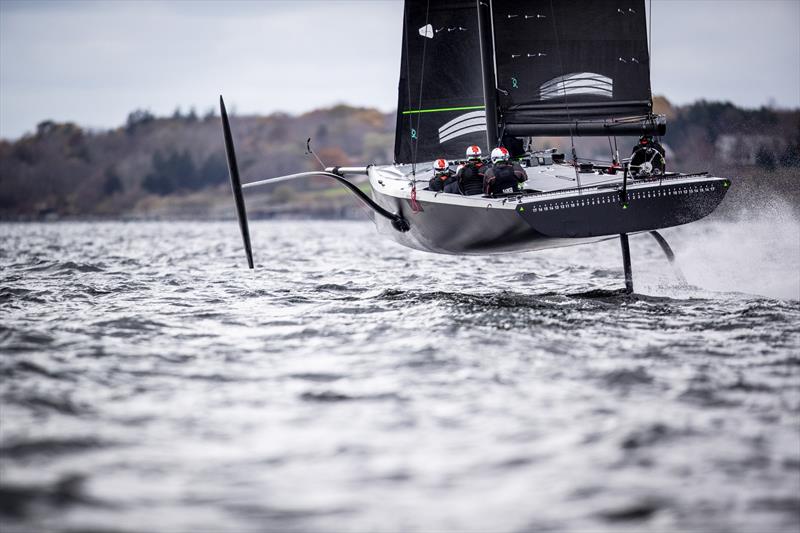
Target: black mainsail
<point>571,63</point>
<point>440,107</point>
<point>544,67</point>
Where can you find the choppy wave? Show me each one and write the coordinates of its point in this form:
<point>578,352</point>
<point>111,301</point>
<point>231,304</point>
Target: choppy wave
<point>348,384</point>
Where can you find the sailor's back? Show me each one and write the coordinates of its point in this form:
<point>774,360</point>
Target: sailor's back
<point>470,177</point>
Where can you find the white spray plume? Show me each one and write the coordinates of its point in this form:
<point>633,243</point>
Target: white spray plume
<point>757,252</point>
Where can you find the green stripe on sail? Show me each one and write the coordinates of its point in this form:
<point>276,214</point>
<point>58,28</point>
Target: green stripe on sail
<point>441,109</point>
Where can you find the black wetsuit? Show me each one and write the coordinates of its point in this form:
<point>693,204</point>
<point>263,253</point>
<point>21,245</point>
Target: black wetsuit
<point>440,181</point>
<point>453,187</point>
<point>504,178</point>
<point>514,145</point>
<point>644,153</point>
<point>470,178</point>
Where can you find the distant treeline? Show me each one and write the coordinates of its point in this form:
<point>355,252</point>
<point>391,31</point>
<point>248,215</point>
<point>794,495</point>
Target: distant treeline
<point>64,170</point>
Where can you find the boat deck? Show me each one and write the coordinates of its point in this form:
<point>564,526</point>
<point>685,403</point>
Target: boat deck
<point>544,181</point>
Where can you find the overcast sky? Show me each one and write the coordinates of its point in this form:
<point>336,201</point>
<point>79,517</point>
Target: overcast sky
<point>92,62</point>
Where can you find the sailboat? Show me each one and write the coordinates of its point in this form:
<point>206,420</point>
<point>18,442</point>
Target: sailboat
<point>495,73</point>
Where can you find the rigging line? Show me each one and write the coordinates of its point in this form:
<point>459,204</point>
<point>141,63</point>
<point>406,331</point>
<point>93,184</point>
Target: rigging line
<point>566,96</point>
<point>650,54</point>
<point>560,60</point>
<point>494,70</point>
<point>419,101</point>
<point>408,75</point>
<point>650,39</point>
<point>494,44</point>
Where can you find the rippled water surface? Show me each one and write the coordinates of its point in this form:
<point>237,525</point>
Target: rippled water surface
<point>150,382</point>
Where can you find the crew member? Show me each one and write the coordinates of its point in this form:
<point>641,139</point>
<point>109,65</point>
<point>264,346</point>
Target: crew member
<point>470,176</point>
<point>514,145</point>
<point>505,176</point>
<point>647,158</point>
<point>442,177</point>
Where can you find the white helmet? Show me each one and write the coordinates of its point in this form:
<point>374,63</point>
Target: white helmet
<point>473,152</point>
<point>439,165</point>
<point>499,154</point>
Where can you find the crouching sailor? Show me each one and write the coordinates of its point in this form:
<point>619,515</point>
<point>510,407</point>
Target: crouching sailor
<point>505,176</point>
<point>443,179</point>
<point>647,158</point>
<point>470,176</point>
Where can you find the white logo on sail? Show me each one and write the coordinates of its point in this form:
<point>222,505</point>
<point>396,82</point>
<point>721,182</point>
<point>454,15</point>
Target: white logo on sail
<point>463,125</point>
<point>426,31</point>
<point>577,83</point>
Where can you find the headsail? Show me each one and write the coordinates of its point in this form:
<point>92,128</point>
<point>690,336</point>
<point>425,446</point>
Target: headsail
<point>560,62</point>
<point>440,107</point>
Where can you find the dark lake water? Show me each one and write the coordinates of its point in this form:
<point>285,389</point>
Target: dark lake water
<point>150,382</point>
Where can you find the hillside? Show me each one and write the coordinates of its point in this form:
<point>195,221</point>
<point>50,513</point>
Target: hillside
<point>165,166</point>
<point>174,167</point>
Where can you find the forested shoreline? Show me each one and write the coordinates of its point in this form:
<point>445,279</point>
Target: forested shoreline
<point>174,166</point>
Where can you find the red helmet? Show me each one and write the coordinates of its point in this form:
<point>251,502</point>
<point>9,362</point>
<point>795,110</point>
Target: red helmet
<point>439,165</point>
<point>500,154</point>
<point>473,152</point>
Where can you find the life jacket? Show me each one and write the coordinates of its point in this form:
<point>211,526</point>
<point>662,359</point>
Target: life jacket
<point>470,178</point>
<point>651,152</point>
<point>440,180</point>
<point>452,187</point>
<point>501,179</point>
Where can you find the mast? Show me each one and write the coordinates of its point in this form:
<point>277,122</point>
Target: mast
<point>487,71</point>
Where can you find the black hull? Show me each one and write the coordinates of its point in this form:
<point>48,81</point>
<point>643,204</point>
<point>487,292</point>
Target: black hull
<point>456,229</point>
<point>648,208</point>
<point>537,222</point>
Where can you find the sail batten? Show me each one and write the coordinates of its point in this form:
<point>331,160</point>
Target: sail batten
<point>442,110</point>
